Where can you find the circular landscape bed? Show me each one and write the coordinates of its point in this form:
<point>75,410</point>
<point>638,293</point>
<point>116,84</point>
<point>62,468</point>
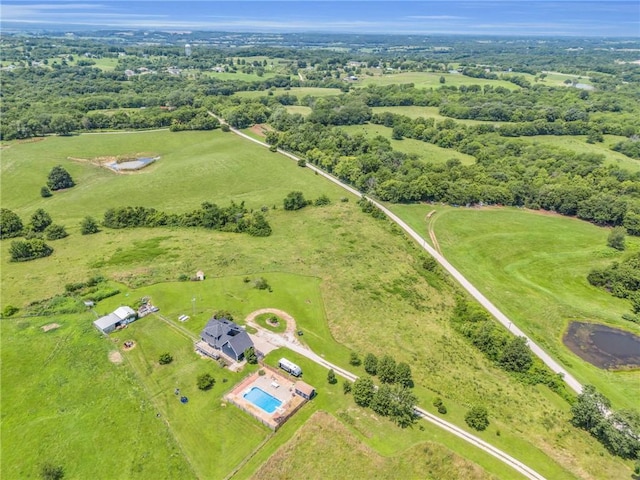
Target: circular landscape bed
<point>271,322</point>
<point>602,346</point>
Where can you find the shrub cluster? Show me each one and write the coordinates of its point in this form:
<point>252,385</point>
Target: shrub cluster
<point>388,371</point>
<point>620,279</point>
<point>395,401</point>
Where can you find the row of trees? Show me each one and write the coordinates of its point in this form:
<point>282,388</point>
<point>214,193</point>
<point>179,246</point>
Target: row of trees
<point>387,370</point>
<point>234,218</point>
<point>618,431</point>
<point>509,352</point>
<point>394,401</point>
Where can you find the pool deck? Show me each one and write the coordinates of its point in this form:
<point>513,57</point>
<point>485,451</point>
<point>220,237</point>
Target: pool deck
<point>275,384</point>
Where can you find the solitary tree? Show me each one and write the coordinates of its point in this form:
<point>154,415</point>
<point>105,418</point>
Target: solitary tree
<point>250,355</point>
<point>45,192</point>
<point>165,359</point>
<point>59,178</point>
<point>616,238</point>
<point>10,224</point>
<point>442,79</point>
<point>477,418</point>
<point>40,220</point>
<point>88,226</point>
<point>363,391</point>
<point>205,381</point>
<point>331,377</point>
<point>370,364</point>
<point>294,201</point>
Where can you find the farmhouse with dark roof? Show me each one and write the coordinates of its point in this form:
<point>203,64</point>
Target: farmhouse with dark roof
<point>224,335</point>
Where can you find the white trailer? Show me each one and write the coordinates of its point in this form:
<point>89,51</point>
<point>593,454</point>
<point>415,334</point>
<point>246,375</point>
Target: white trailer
<point>290,367</point>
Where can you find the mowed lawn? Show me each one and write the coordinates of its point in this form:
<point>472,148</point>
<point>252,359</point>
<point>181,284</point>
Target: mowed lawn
<point>431,80</point>
<point>426,151</point>
<point>353,283</point>
<point>65,403</point>
<point>533,266</point>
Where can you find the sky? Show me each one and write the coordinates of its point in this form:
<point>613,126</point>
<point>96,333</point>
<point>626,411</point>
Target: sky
<point>582,18</point>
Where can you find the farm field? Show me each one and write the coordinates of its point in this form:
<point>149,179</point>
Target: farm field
<point>426,151</point>
<point>533,266</point>
<point>431,80</point>
<point>337,270</point>
<point>297,91</point>
<point>301,109</point>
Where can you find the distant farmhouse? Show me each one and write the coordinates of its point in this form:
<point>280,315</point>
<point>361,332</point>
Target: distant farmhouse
<point>225,336</point>
<point>120,317</point>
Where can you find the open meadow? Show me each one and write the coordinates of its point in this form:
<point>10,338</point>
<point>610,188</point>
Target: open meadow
<point>299,92</point>
<point>353,283</point>
<point>415,111</point>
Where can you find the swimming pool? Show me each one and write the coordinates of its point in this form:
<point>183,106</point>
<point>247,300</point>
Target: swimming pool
<point>262,399</point>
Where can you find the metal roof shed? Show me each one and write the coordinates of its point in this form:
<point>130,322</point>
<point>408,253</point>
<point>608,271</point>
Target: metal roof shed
<point>108,323</point>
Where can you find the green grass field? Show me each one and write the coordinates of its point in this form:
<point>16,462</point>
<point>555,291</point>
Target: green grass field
<point>426,151</point>
<point>63,400</point>
<point>431,80</point>
<point>533,266</point>
<point>351,282</point>
<point>297,91</point>
<point>301,109</point>
<point>414,111</point>
<point>578,144</point>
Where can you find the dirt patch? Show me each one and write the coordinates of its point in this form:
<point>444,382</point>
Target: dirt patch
<point>115,357</point>
<point>261,129</point>
<point>128,345</point>
<point>50,326</point>
<point>602,346</point>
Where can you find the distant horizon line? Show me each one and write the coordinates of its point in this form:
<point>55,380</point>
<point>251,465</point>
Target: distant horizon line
<point>81,28</point>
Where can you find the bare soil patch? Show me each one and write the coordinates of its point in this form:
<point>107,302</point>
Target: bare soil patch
<point>261,129</point>
<point>50,326</point>
<point>115,357</point>
<point>128,345</point>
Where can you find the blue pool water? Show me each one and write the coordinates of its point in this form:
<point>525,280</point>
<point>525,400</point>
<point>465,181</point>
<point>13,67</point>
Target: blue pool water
<point>262,400</point>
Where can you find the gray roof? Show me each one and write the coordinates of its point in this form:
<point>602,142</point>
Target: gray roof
<point>220,331</point>
<point>107,321</point>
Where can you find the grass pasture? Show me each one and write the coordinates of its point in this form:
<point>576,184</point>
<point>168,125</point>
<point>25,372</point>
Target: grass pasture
<point>352,283</point>
<point>426,151</point>
<point>301,109</point>
<point>63,400</point>
<point>533,266</point>
<point>431,80</point>
<point>323,436</point>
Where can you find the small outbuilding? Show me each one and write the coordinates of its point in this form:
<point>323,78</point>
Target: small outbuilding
<point>120,317</point>
<point>199,275</point>
<point>304,390</point>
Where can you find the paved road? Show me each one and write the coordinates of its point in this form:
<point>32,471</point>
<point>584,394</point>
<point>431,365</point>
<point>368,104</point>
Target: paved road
<point>466,284</point>
<point>280,340</point>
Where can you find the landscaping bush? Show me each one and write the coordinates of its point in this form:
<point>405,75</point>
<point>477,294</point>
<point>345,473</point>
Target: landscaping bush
<point>355,359</point>
<point>205,381</point>
<point>250,356</point>
<point>331,377</point>
<point>45,192</point>
<point>165,359</point>
<point>294,201</point>
<point>55,232</point>
<point>89,226</point>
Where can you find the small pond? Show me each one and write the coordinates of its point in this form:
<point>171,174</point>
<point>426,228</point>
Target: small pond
<point>136,164</point>
<point>602,346</point>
